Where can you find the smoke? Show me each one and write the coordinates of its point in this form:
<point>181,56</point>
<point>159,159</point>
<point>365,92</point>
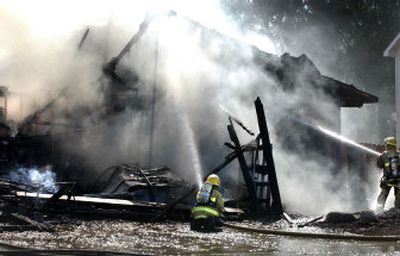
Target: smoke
<point>195,70</point>
<point>41,178</point>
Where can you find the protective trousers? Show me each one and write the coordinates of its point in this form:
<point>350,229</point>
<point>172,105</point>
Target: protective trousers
<point>385,189</point>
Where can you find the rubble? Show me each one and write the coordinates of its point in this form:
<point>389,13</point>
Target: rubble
<point>130,181</point>
<point>125,196</point>
<point>126,191</point>
<point>364,222</point>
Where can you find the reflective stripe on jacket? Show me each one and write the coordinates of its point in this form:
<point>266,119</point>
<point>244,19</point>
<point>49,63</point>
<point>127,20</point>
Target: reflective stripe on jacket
<point>203,212</point>
<point>213,208</point>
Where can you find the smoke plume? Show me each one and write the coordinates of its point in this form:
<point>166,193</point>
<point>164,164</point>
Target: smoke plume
<point>192,71</point>
<point>44,179</point>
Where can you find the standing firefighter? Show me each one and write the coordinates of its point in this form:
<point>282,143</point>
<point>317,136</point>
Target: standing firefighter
<point>389,161</point>
<point>207,214</point>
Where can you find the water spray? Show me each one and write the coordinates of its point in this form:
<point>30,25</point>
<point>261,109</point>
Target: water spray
<point>347,141</point>
<point>194,154</point>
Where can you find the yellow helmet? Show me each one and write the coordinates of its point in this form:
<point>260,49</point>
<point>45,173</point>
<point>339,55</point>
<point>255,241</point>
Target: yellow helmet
<point>214,179</point>
<point>391,141</point>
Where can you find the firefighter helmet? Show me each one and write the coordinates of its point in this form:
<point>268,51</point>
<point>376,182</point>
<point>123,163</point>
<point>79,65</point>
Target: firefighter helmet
<point>391,141</point>
<point>214,179</point>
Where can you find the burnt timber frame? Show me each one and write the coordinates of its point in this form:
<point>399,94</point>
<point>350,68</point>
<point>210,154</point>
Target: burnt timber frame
<point>264,193</point>
<point>268,157</point>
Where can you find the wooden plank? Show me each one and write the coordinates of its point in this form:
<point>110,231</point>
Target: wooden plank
<point>40,226</point>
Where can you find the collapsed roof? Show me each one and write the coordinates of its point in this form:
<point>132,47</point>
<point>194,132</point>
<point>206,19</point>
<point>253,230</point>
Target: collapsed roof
<point>285,67</point>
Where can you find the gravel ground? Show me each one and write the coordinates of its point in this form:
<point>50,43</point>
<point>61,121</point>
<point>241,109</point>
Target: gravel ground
<point>133,237</point>
<point>175,238</point>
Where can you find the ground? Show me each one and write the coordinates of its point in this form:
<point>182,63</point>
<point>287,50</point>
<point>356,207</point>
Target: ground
<point>175,238</point>
<point>133,237</point>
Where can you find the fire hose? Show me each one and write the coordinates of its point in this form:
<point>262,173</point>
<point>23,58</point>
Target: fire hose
<point>313,235</point>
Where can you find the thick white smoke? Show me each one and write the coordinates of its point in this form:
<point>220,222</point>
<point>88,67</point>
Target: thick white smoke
<point>197,70</point>
<point>44,179</point>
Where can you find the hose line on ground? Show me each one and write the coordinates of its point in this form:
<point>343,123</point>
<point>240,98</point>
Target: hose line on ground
<point>314,235</point>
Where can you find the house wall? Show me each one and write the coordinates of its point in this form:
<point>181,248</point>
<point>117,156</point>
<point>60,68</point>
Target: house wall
<point>397,94</point>
<point>393,50</point>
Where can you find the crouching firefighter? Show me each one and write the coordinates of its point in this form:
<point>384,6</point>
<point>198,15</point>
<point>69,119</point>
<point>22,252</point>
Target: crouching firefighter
<point>207,213</point>
<point>389,161</point>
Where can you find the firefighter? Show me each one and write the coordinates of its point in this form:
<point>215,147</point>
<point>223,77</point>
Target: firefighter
<point>207,213</point>
<point>389,161</point>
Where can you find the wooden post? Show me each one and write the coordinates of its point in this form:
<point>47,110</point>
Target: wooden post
<point>267,152</point>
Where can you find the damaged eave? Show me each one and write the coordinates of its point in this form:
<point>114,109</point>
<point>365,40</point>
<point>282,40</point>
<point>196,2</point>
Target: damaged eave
<point>349,95</point>
<point>346,95</point>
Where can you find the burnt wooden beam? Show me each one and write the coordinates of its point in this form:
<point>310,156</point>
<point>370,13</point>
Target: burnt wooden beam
<point>231,157</point>
<point>29,221</point>
<point>268,157</point>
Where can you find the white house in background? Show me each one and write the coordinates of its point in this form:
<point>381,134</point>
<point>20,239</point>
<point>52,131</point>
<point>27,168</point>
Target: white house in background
<point>393,50</point>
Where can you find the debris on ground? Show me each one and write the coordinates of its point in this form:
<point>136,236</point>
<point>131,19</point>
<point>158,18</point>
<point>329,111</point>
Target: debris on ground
<point>364,222</point>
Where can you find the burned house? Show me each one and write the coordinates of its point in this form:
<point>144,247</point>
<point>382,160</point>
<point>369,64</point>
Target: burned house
<point>299,73</point>
<point>307,132</point>
<point>297,128</point>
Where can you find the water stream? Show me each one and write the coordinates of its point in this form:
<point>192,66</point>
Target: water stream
<point>347,141</point>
